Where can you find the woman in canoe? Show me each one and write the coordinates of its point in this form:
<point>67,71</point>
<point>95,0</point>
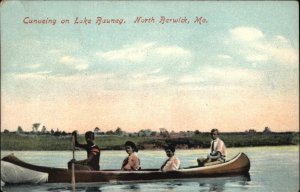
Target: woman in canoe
<point>132,162</point>
<point>217,153</point>
<point>93,153</point>
<point>172,163</point>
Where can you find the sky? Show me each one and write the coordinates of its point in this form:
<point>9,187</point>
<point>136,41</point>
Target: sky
<point>238,70</point>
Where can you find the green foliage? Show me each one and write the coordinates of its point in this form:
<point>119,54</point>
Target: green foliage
<point>13,141</point>
<point>117,142</point>
<point>295,139</point>
<point>34,142</point>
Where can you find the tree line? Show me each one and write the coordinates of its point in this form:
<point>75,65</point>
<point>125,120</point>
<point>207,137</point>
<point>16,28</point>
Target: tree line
<point>40,129</point>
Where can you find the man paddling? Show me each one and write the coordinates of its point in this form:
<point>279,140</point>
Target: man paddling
<point>217,151</point>
<point>93,153</point>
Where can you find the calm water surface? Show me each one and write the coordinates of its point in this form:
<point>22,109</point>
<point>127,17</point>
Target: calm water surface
<point>272,169</point>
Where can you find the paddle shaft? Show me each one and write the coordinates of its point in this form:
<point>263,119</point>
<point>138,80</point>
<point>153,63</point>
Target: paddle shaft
<point>73,164</point>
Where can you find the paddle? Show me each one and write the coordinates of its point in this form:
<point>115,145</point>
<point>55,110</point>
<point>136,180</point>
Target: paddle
<point>73,163</point>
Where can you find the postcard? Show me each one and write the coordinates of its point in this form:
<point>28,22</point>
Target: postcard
<point>150,72</point>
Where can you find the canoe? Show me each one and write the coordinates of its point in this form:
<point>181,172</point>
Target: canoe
<point>238,165</point>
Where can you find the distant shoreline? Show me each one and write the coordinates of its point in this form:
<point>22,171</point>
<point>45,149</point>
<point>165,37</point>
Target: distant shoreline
<point>158,149</point>
<point>39,142</point>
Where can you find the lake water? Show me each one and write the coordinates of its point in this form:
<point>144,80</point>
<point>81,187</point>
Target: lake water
<point>272,169</point>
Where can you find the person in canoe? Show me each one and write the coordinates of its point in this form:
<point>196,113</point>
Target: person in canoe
<point>217,153</point>
<point>93,153</point>
<point>172,163</point>
<point>131,162</point>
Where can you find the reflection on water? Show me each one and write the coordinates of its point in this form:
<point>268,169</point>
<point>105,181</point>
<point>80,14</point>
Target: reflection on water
<point>217,184</point>
<point>90,189</point>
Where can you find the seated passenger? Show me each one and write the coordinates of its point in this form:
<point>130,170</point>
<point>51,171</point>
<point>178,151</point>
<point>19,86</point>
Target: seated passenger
<point>93,153</point>
<point>217,153</point>
<point>132,162</point>
<point>172,163</point>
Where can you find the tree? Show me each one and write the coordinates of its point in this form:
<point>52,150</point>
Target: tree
<point>6,131</point>
<point>35,127</point>
<point>153,133</point>
<point>145,133</point>
<point>19,130</point>
<point>97,130</point>
<point>110,132</point>
<point>118,131</point>
<point>267,130</point>
<point>52,131</point>
<point>43,129</point>
<point>163,132</point>
<point>251,131</point>
<point>57,132</point>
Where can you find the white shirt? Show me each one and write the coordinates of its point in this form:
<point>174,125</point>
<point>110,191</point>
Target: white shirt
<point>219,146</point>
<point>172,164</point>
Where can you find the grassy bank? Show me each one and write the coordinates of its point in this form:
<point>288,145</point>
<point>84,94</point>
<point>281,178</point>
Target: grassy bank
<point>13,141</point>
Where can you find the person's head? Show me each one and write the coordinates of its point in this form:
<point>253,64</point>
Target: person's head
<point>170,150</point>
<point>89,137</point>
<point>214,133</point>
<point>130,147</point>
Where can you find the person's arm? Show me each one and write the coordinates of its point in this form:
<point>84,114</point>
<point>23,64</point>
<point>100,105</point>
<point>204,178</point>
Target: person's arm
<point>135,163</point>
<point>125,162</point>
<point>132,163</point>
<point>215,155</point>
<point>175,164</point>
<point>84,146</point>
<point>221,148</point>
<point>82,162</point>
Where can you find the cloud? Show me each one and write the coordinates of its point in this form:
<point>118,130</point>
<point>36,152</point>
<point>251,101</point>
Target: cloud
<point>131,53</point>
<point>73,62</point>
<point>33,76</point>
<point>55,51</point>
<point>33,66</point>
<point>246,34</point>
<point>97,77</point>
<point>257,47</point>
<point>281,39</point>
<point>221,56</point>
<point>215,76</point>
<point>92,81</point>
<point>255,57</point>
<point>171,51</point>
<point>233,75</point>
<point>191,79</point>
<point>142,51</point>
<point>155,71</point>
<point>141,79</point>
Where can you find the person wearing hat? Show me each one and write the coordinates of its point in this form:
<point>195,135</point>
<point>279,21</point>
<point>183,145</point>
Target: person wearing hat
<point>172,163</point>
<point>217,153</point>
<point>132,162</point>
